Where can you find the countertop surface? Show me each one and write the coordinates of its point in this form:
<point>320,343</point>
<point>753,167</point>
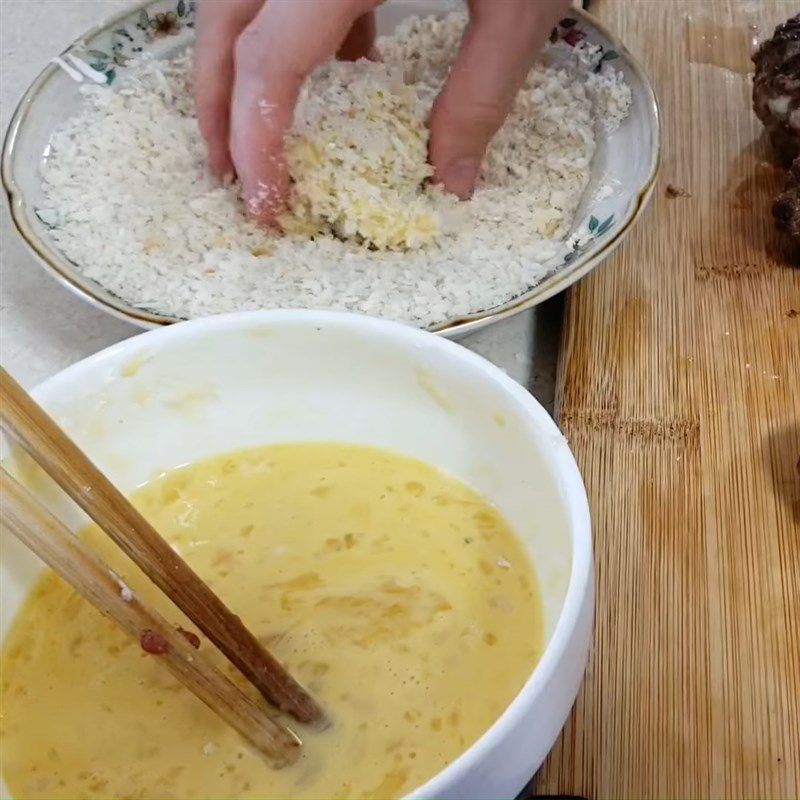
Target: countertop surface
<point>43,328</point>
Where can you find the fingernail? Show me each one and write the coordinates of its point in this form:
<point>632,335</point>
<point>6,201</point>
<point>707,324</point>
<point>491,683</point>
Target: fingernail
<point>459,176</point>
<point>374,54</point>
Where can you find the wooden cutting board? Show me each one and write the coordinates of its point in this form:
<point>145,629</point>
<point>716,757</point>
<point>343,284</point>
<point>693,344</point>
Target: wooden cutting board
<point>679,391</point>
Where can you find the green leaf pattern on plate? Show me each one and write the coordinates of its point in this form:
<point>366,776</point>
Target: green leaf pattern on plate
<point>604,226</point>
<point>128,40</point>
<point>596,230</point>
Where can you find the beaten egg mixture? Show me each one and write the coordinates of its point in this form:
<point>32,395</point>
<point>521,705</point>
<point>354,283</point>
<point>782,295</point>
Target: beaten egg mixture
<point>396,594</point>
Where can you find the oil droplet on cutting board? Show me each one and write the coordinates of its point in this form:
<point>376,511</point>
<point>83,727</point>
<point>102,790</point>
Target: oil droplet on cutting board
<point>727,46</point>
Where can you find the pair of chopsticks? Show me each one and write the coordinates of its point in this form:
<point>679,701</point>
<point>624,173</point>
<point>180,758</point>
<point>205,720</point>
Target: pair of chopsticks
<point>70,557</point>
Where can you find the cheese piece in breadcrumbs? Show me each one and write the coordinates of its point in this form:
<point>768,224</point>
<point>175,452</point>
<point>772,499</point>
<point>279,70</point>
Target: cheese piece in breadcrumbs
<point>357,156</point>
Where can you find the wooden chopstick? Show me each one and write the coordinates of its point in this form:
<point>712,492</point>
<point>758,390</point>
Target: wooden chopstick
<point>72,470</point>
<point>91,577</point>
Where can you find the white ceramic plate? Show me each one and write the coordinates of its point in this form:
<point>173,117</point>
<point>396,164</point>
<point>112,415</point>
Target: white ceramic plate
<point>266,377</point>
<point>626,160</point>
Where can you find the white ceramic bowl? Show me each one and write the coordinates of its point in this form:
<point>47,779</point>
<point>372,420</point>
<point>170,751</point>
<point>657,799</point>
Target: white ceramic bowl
<point>200,388</point>
<point>622,175</point>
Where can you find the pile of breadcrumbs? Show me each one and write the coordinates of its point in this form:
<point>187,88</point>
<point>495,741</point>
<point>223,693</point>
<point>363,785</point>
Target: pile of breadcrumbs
<point>130,201</point>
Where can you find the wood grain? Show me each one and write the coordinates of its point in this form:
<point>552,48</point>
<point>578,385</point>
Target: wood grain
<point>91,577</point>
<point>116,516</point>
<point>679,390</point>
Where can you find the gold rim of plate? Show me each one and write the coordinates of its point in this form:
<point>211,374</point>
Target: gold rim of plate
<point>58,266</point>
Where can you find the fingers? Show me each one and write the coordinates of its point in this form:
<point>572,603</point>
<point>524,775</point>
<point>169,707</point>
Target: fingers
<point>360,40</point>
<point>218,26</point>
<point>498,49</point>
<point>274,55</point>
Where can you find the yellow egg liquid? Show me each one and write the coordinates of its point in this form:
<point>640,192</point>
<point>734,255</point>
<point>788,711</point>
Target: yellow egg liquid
<point>397,595</point>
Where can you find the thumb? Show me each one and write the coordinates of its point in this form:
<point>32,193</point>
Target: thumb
<point>499,47</point>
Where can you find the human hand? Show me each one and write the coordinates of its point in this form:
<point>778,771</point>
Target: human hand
<point>252,58</point>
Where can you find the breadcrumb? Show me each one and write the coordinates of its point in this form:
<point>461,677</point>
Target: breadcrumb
<point>358,158</point>
<point>127,197</point>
